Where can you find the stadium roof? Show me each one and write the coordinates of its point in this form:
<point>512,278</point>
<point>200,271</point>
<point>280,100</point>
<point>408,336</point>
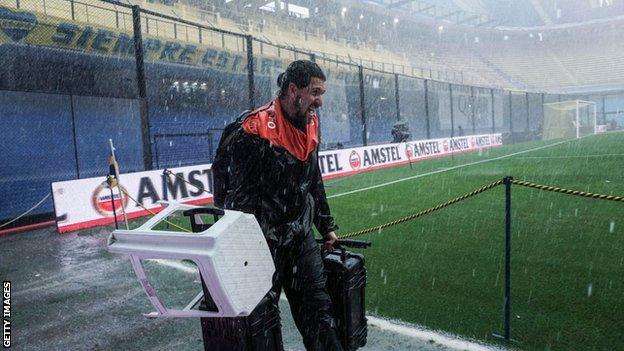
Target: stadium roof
<point>439,10</point>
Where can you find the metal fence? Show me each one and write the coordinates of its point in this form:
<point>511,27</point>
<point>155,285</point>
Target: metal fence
<point>78,73</point>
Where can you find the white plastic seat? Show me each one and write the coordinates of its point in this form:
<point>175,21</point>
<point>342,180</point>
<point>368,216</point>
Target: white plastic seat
<point>232,256</point>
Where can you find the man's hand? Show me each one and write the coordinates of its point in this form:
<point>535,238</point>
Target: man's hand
<point>330,239</point>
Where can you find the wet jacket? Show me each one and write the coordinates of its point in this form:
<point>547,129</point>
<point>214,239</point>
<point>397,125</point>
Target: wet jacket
<point>274,174</point>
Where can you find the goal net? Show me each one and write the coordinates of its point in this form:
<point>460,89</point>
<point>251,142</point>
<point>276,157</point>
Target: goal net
<point>569,119</point>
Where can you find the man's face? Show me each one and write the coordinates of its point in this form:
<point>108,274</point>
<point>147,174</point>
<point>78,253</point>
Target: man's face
<point>308,99</point>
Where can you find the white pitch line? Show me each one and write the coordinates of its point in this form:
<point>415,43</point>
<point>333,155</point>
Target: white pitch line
<point>447,340</point>
<point>450,169</point>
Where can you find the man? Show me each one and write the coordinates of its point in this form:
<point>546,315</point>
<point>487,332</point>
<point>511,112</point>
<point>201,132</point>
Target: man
<point>274,174</point>
<point>400,132</point>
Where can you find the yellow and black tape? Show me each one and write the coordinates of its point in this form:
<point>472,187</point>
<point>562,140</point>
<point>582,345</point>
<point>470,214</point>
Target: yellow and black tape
<point>422,213</point>
<point>568,191</point>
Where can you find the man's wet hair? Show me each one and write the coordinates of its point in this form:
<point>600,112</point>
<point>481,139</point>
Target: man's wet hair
<point>300,73</point>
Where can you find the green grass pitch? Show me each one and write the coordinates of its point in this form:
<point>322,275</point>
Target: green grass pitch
<point>445,271</point>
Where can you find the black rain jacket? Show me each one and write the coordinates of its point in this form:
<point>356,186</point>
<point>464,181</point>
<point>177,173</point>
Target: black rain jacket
<point>285,194</point>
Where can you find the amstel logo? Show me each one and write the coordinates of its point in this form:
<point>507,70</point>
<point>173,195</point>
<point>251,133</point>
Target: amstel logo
<point>354,160</point>
<point>101,200</point>
<point>409,151</point>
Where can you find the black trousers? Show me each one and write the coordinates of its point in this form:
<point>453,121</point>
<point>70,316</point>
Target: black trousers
<point>299,271</point>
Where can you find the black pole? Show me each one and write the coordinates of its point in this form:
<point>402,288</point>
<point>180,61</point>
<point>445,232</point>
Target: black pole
<point>507,182</point>
<point>511,118</point>
<point>250,71</point>
<point>493,118</point>
<point>111,173</point>
<point>362,106</point>
<point>541,120</point>
<point>472,110</point>
<point>427,109</point>
<point>73,119</point>
<point>396,96</point>
<point>113,204</point>
<point>452,121</point>
<point>140,71</point>
<point>156,153</point>
<point>526,97</point>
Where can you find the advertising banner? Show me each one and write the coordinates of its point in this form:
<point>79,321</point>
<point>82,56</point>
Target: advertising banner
<point>85,203</point>
<point>337,163</point>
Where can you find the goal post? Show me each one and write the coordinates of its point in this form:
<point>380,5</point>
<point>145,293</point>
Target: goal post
<point>569,119</point>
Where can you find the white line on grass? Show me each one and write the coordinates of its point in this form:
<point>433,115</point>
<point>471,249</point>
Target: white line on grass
<point>450,169</point>
<point>447,340</point>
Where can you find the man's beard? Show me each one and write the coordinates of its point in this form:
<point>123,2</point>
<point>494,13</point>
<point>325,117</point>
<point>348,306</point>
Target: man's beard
<point>303,116</point>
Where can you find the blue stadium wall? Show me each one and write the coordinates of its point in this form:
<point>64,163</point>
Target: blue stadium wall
<point>62,106</point>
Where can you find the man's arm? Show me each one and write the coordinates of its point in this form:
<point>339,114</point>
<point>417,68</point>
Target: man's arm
<point>323,219</point>
<point>245,169</point>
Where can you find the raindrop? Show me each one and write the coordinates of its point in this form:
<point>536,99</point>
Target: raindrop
<point>473,272</point>
<point>589,289</point>
<point>611,226</point>
<point>382,273</point>
<point>433,283</point>
<point>576,212</point>
<point>385,280</point>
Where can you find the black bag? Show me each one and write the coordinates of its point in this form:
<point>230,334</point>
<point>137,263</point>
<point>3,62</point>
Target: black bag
<point>346,283</point>
<point>260,331</point>
<point>220,176</point>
